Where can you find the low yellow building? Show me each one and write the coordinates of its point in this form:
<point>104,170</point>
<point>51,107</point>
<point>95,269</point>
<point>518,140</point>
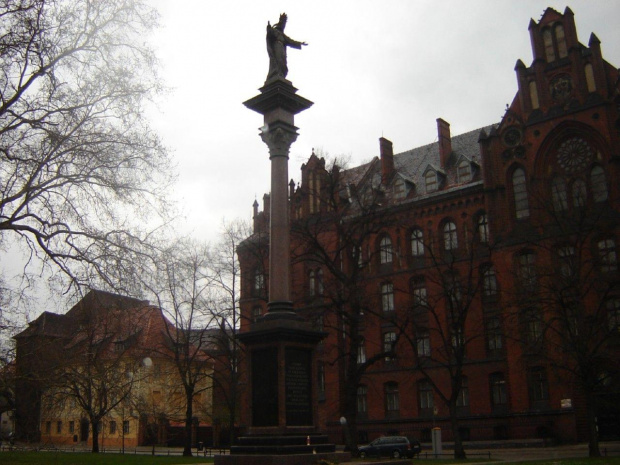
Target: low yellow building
<point>120,365</point>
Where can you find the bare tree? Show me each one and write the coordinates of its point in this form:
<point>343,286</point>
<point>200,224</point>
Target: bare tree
<point>567,302</point>
<point>447,318</point>
<point>80,166</point>
<point>182,287</point>
<point>331,243</point>
<point>225,273</point>
<point>7,377</point>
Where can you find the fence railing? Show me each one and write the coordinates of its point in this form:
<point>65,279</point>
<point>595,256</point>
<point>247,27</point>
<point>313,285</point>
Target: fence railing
<point>159,451</point>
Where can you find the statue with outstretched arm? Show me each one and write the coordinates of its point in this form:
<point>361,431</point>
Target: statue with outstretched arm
<point>277,42</point>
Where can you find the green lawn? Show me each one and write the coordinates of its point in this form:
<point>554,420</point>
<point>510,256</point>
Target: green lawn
<point>70,458</point>
<point>79,458</point>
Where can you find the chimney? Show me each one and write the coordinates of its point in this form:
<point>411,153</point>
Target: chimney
<point>387,159</point>
<point>445,143</point>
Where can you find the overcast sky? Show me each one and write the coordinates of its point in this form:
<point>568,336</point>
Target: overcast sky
<point>372,69</point>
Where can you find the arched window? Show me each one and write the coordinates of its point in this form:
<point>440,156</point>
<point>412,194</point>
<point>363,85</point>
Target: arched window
<point>362,401</point>
<point>392,401</point>
<point>357,256</point>
<point>450,238</point>
<point>315,191</point>
<point>560,39</point>
<point>538,386</point>
<point>579,193</point>
<point>494,335</point>
<point>555,42</point>
<point>319,282</point>
<point>361,352</point>
<point>567,263</point>
<point>417,243</point>
<point>321,379</point>
<point>463,398</point>
<point>425,393</point>
<point>534,327</point>
<point>387,297</point>
<point>534,95</point>
<point>389,341</point>
<point>311,283</point>
<point>482,227</point>
<point>418,289</point>
<point>558,194</point>
<point>423,343</point>
<point>385,250</point>
<point>519,189</point>
<point>607,255</point>
<point>598,182</point>
<point>259,282</point>
<point>489,282</point>
<point>526,271</point>
<point>613,314</point>
<point>499,395</point>
<point>548,41</point>
<point>590,78</point>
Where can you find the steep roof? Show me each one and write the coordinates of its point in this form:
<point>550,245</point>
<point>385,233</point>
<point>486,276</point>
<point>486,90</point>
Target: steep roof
<point>47,324</point>
<point>412,165</point>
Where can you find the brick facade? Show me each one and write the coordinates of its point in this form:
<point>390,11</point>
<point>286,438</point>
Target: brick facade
<point>493,252</point>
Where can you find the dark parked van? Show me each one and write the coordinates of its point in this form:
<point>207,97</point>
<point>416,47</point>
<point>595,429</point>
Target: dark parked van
<point>391,446</point>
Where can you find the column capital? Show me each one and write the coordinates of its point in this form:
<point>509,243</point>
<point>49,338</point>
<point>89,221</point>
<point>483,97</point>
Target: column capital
<point>279,139</point>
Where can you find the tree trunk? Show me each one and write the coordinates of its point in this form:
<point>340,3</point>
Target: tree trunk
<point>350,413</point>
<point>459,450</point>
<point>95,428</point>
<point>231,425</point>
<point>187,446</point>
<point>593,445</point>
<point>232,410</point>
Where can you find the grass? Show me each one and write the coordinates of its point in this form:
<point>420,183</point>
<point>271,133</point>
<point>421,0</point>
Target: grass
<point>80,458</point>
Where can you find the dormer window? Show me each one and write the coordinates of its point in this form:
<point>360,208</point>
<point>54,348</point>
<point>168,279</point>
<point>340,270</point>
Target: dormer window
<point>431,180</point>
<point>463,171</point>
<point>400,190</point>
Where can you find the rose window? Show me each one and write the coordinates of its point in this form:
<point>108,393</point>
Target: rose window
<point>574,155</point>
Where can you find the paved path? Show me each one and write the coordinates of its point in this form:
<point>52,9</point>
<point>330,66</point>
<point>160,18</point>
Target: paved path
<point>500,454</point>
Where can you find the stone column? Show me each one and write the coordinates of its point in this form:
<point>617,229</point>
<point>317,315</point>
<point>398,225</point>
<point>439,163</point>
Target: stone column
<point>280,345</point>
<point>279,139</point>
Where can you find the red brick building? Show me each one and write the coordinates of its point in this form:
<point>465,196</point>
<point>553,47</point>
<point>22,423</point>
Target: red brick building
<point>471,283</point>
